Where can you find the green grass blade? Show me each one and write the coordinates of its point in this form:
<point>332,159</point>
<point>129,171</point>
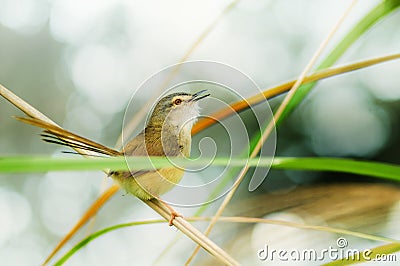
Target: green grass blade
<point>369,255</point>
<point>381,170</point>
<point>376,14</point>
<point>43,164</point>
<point>97,234</point>
<point>388,248</point>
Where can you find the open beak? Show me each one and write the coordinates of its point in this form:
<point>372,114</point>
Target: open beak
<point>199,95</point>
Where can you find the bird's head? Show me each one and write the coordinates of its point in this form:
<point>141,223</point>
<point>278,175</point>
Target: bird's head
<point>178,109</point>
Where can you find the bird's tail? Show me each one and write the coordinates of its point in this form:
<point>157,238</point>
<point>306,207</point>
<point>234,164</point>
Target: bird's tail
<point>60,136</point>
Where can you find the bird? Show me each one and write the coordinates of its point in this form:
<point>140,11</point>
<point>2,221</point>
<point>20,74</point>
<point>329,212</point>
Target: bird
<point>167,133</point>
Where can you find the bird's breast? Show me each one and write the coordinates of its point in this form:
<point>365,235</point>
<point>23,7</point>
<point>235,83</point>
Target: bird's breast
<point>169,142</point>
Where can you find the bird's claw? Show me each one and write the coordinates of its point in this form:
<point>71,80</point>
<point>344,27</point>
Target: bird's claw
<point>173,215</point>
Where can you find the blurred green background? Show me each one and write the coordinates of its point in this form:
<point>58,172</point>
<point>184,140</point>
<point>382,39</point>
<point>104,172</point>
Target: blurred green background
<point>79,62</point>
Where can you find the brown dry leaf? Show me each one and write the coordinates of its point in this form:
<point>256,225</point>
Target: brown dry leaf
<point>360,207</point>
<point>350,205</point>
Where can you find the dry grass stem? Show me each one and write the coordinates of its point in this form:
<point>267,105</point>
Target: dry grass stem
<point>185,227</point>
<point>271,125</point>
<point>240,219</point>
<point>241,105</point>
<point>94,208</point>
<point>282,88</point>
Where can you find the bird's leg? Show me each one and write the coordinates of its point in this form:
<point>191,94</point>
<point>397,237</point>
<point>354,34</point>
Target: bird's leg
<point>173,212</point>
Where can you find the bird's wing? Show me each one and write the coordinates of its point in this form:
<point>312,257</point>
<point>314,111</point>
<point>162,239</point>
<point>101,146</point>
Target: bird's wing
<point>150,145</point>
<point>137,147</point>
<point>58,135</point>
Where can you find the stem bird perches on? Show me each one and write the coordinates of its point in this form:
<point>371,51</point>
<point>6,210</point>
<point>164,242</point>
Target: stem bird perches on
<point>271,126</point>
<point>199,126</point>
<point>156,205</point>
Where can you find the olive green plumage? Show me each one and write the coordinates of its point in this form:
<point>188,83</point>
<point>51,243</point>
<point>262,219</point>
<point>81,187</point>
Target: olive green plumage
<point>167,133</point>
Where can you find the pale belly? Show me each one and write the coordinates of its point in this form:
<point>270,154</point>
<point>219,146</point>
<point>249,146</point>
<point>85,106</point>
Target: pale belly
<point>155,183</point>
<point>151,184</point>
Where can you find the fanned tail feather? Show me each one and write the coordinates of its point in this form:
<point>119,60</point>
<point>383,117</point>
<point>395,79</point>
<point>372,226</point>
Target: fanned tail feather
<point>57,135</point>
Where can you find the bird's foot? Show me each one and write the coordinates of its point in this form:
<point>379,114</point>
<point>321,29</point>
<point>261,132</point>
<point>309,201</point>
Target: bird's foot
<point>173,215</point>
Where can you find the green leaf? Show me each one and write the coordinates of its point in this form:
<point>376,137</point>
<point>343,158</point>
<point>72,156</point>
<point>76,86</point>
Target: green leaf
<point>376,14</point>
<point>43,164</point>
<point>382,170</point>
<point>369,255</point>
<point>93,236</point>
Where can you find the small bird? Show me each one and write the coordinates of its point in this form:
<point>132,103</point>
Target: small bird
<point>167,133</point>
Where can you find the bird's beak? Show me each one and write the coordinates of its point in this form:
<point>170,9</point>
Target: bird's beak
<point>199,95</point>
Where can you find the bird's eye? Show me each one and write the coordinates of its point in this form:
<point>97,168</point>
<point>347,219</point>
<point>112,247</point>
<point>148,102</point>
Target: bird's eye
<point>178,101</point>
